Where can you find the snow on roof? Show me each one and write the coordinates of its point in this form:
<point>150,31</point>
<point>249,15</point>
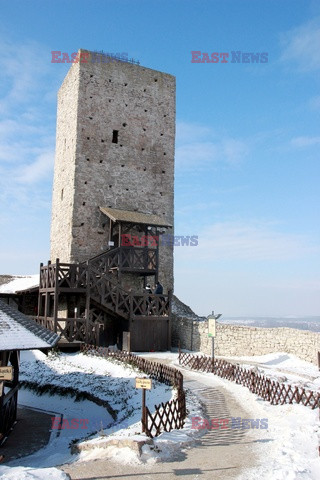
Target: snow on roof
<point>19,332</point>
<point>20,283</point>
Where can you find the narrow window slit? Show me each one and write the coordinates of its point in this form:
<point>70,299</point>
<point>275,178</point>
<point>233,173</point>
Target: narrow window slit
<point>115,136</point>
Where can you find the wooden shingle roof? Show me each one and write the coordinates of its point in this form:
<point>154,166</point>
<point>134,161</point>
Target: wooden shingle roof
<point>19,332</point>
<point>129,216</point>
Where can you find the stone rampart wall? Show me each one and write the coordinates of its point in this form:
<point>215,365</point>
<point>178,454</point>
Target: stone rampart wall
<point>244,341</point>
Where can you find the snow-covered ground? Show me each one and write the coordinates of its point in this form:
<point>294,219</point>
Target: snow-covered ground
<point>108,380</point>
<point>289,450</point>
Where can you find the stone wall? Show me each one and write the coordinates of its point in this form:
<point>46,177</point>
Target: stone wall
<point>64,167</point>
<point>244,341</point>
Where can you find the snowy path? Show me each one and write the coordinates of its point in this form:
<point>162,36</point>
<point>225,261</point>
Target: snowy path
<point>221,454</point>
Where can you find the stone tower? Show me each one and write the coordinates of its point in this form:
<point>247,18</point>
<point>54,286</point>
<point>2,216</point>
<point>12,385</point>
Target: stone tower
<point>114,148</point>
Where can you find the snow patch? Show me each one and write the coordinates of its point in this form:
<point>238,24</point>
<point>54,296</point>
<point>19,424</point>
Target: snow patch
<point>22,473</point>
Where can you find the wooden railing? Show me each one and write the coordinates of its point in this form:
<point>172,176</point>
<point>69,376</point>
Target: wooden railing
<point>131,259</point>
<point>106,290</point>
<point>146,304</point>
<point>63,275</point>
<point>71,329</point>
<point>274,392</point>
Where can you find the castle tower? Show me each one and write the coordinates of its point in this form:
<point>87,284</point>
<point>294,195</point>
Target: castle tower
<point>114,149</point>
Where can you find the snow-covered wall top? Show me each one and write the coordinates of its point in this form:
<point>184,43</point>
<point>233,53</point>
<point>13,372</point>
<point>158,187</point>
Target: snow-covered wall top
<point>14,283</point>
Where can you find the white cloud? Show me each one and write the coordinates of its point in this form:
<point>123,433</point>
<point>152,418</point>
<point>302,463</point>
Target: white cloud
<point>196,154</point>
<point>27,132</point>
<point>247,241</point>
<point>238,294</point>
<point>301,46</point>
<point>314,103</point>
<point>196,208</point>
<point>200,146</point>
<point>27,140</point>
<point>39,169</point>
<point>242,268</point>
<point>234,150</point>
<point>302,142</point>
<point>187,131</point>
<point>23,67</point>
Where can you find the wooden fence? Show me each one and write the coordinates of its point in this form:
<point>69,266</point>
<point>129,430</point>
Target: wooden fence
<point>274,392</point>
<point>167,416</point>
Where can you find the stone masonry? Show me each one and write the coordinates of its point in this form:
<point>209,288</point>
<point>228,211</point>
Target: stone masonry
<point>192,333</point>
<point>114,148</point>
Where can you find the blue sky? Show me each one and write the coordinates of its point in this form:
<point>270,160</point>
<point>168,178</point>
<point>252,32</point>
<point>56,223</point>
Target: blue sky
<point>247,144</point>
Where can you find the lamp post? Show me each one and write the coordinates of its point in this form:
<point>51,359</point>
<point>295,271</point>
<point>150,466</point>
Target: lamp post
<point>212,329</point>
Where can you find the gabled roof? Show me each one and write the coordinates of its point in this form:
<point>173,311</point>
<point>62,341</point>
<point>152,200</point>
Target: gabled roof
<point>19,332</point>
<point>129,216</point>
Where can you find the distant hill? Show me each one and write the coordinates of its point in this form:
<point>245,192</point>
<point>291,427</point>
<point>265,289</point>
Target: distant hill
<point>311,323</point>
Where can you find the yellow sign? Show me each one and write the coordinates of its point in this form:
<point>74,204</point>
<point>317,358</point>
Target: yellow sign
<point>6,373</point>
<point>211,327</point>
<point>144,383</point>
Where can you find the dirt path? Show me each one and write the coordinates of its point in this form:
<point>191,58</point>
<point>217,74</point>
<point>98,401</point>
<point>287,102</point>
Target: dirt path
<point>218,454</point>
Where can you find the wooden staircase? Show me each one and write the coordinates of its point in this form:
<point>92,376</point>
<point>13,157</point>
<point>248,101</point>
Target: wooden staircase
<point>97,284</point>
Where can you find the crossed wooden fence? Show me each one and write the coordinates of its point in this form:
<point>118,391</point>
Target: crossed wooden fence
<point>274,392</point>
<point>167,416</point>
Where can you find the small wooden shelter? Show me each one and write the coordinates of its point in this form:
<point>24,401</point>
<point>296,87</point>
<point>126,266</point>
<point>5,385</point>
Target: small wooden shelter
<point>17,332</point>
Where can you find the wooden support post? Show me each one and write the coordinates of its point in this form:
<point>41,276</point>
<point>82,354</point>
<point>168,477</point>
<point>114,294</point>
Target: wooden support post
<point>46,304</point>
<point>131,307</point>
<point>157,255</point>
<point>119,237</point>
<point>169,318</point>
<point>2,364</point>
<point>110,232</point>
<point>56,297</point>
<point>145,254</point>
<point>87,312</point>
<point>144,413</point>
<point>39,313</point>
<point>16,366</point>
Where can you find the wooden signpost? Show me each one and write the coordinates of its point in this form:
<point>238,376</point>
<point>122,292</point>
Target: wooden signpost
<point>6,373</point>
<point>144,384</point>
